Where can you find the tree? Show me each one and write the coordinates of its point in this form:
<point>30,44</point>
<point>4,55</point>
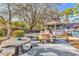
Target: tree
<point>77,6</point>
<point>6,13</point>
<point>34,13</point>
<point>2,20</point>
<point>69,11</point>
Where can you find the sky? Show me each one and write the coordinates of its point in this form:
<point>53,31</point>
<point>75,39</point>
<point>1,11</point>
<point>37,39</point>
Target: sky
<point>63,6</point>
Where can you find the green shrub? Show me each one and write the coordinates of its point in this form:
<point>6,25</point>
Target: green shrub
<point>2,32</point>
<point>13,27</point>
<point>18,33</point>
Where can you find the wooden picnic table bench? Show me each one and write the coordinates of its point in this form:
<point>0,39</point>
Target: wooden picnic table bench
<point>15,43</point>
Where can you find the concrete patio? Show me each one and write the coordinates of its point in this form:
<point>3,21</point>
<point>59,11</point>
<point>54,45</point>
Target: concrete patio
<point>52,50</point>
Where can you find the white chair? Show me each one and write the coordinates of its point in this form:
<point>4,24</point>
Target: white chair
<point>26,46</point>
<point>34,43</point>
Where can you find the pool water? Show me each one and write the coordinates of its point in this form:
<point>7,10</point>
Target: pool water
<point>75,33</point>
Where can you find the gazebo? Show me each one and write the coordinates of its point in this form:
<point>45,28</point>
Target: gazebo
<point>55,24</point>
<point>56,27</point>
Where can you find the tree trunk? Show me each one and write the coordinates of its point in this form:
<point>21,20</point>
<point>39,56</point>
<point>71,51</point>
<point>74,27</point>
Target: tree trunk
<point>9,22</point>
<point>31,27</point>
<point>8,31</point>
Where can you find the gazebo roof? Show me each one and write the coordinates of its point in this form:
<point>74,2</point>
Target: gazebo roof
<point>52,22</point>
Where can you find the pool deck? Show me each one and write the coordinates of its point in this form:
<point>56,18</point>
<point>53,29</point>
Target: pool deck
<point>61,48</point>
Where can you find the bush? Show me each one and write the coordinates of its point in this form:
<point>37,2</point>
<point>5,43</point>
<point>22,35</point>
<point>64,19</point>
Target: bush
<point>13,27</point>
<point>18,33</point>
<point>2,32</point>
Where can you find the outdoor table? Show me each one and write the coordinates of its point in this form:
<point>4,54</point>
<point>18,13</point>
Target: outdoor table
<point>18,44</point>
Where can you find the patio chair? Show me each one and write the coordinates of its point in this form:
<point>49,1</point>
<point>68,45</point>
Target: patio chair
<point>34,43</point>
<point>26,47</point>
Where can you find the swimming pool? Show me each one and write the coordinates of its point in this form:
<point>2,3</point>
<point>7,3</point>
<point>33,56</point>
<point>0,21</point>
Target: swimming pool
<point>74,33</point>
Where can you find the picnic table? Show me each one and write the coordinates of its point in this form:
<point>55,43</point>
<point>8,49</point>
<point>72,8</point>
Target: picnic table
<point>7,51</point>
<point>18,44</point>
<point>2,39</point>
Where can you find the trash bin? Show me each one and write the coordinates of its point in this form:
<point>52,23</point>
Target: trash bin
<point>18,38</point>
